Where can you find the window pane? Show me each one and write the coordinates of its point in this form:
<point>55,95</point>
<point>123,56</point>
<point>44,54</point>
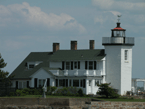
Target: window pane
<point>70,82</point>
<point>24,84</point>
<point>67,65</point>
<point>126,53</point>
<point>61,82</point>
<point>90,65</point>
<point>31,66</point>
<point>75,83</point>
<point>39,83</point>
<point>75,64</point>
<point>20,84</point>
<point>43,81</point>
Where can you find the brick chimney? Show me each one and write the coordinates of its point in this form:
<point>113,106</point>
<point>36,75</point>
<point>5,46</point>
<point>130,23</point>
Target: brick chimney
<point>55,47</point>
<point>92,44</point>
<point>73,45</point>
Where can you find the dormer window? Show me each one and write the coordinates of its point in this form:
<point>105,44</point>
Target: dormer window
<point>31,66</point>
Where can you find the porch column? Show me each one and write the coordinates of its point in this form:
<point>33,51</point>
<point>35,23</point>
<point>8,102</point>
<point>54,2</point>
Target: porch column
<point>92,86</point>
<point>87,82</point>
<point>144,85</point>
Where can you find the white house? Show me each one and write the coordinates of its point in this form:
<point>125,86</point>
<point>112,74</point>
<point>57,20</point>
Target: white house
<point>81,68</point>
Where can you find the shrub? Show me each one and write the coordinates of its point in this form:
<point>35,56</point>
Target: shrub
<point>48,90</point>
<point>53,88</point>
<point>36,92</point>
<point>12,93</point>
<point>68,93</point>
<point>59,92</point>
<point>80,92</point>
<point>73,90</point>
<point>25,91</point>
<point>104,89</point>
<point>64,91</point>
<point>20,93</point>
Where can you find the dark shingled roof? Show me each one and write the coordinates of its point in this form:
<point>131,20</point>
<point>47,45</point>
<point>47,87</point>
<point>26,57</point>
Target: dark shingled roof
<point>60,55</point>
<point>22,72</point>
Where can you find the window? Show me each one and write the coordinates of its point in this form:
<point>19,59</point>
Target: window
<point>56,82</point>
<point>75,83</point>
<point>75,65</point>
<point>24,84</point>
<point>97,82</point>
<point>126,54</point>
<point>31,66</point>
<point>20,85</point>
<point>81,83</point>
<point>41,82</point>
<point>89,82</point>
<point>67,65</point>
<point>90,65</point>
<point>61,82</point>
<point>70,82</point>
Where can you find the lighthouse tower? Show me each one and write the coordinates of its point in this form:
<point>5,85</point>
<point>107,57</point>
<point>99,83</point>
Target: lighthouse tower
<point>118,50</point>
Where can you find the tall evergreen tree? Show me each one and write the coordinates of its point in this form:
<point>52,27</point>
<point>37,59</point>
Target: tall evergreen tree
<point>4,74</point>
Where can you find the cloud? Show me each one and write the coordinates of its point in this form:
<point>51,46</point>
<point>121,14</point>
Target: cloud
<point>33,16</point>
<point>121,5</point>
<point>115,13</point>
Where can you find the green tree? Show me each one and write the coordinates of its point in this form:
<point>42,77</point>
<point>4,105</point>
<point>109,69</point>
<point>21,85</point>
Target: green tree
<point>105,89</point>
<point>4,74</point>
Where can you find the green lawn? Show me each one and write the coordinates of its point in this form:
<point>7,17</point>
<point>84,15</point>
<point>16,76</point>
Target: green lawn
<point>104,99</point>
<point>39,96</point>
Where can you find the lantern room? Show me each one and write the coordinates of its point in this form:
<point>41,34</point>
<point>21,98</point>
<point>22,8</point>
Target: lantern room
<point>118,37</point>
<point>118,31</point>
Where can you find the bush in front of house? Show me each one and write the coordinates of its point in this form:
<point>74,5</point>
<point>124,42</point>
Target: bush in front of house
<point>69,91</point>
<point>80,92</point>
<point>52,89</point>
<point>59,92</point>
<point>12,94</point>
<point>19,92</point>
<point>73,90</point>
<point>104,89</point>
<point>25,91</point>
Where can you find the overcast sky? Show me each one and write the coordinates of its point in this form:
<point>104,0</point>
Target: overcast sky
<point>33,25</point>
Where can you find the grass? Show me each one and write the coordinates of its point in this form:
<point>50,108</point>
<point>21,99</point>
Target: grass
<point>39,96</point>
<point>104,99</point>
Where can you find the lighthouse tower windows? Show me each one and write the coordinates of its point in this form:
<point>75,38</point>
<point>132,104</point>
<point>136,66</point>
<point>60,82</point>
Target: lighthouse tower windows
<point>126,54</point>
